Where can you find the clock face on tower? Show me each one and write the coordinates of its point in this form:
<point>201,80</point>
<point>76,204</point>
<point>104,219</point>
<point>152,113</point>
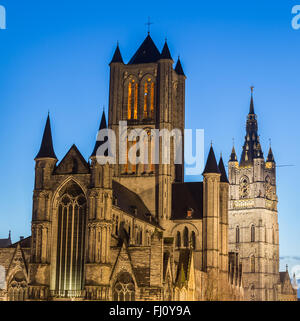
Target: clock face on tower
<point>244,187</point>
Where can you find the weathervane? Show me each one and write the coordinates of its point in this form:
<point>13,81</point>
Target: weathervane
<point>149,23</point>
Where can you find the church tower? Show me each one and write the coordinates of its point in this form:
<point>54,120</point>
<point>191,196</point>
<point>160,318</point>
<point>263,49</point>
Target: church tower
<point>148,94</point>
<point>253,217</point>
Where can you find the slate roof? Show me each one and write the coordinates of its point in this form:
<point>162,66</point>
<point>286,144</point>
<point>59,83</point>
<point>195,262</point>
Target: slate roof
<point>25,243</point>
<point>103,125</point>
<point>221,166</point>
<point>5,243</point>
<point>165,54</point>
<point>178,68</point>
<point>117,57</point>
<point>211,163</point>
<point>146,53</point>
<point>47,149</point>
<point>128,201</point>
<point>186,196</point>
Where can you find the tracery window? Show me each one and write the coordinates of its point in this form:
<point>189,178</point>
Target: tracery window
<point>70,238</point>
<point>124,289</point>
<point>244,187</point>
<point>18,288</point>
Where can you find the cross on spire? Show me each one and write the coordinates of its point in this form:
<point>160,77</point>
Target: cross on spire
<point>252,87</point>
<point>148,24</point>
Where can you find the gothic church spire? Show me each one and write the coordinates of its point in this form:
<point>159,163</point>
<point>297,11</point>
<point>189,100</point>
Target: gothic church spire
<point>252,148</point>
<point>47,150</point>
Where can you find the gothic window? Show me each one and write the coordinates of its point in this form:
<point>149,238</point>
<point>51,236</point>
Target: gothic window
<point>252,233</point>
<point>252,263</point>
<point>178,239</point>
<point>148,111</point>
<point>193,239</point>
<point>124,289</point>
<point>18,289</point>
<point>185,237</point>
<point>70,238</point>
<point>244,187</point>
<point>237,235</point>
<point>132,100</point>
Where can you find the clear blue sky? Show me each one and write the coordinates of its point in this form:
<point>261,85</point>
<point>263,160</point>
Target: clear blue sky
<point>55,55</point>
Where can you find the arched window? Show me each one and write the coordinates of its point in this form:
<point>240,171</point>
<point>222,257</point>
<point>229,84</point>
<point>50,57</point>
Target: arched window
<point>18,288</point>
<point>178,239</point>
<point>252,233</point>
<point>148,99</point>
<point>244,187</point>
<point>185,237</point>
<point>70,238</point>
<point>132,100</point>
<point>237,235</point>
<point>124,289</point>
<point>193,239</point>
<point>252,263</point>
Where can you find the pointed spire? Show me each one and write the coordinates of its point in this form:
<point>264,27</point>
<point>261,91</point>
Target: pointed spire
<point>146,53</point>
<point>251,148</point>
<point>270,157</point>
<point>233,157</point>
<point>46,150</point>
<point>117,57</point>
<point>9,235</point>
<point>178,68</point>
<point>221,166</point>
<point>103,125</point>
<point>165,54</point>
<point>211,163</point>
<point>251,111</point>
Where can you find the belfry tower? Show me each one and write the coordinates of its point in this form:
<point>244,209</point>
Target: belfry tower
<point>148,93</point>
<point>253,217</point>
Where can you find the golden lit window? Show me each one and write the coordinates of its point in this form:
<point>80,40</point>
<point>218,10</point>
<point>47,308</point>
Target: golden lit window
<point>132,104</point>
<point>149,99</point>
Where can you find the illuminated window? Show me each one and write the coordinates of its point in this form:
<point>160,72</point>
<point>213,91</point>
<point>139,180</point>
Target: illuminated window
<point>129,101</point>
<point>132,104</point>
<point>149,98</point>
<point>70,239</point>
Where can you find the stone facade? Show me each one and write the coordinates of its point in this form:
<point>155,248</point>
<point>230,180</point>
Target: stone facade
<point>127,232</point>
<point>253,218</point>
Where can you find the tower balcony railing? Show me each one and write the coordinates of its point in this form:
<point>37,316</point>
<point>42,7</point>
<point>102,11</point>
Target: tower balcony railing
<point>67,293</point>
